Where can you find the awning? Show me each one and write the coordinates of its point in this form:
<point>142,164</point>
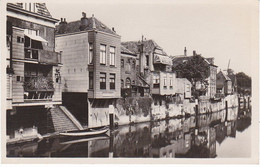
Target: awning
<point>159,59</point>
<point>34,37</point>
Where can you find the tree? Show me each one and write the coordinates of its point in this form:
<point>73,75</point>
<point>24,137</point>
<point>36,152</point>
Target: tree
<point>243,83</point>
<point>196,70</point>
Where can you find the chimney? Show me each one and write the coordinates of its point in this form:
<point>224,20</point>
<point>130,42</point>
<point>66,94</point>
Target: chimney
<point>84,22</point>
<point>185,51</point>
<point>113,29</point>
<point>194,53</point>
<point>62,27</point>
<point>93,22</point>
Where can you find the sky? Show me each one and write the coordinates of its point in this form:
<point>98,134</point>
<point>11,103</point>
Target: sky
<point>220,29</point>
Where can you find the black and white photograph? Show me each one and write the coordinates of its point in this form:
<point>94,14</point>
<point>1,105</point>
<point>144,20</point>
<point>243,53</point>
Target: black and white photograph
<point>139,81</point>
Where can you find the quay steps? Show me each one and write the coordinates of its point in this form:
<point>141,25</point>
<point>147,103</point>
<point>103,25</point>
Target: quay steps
<point>63,120</point>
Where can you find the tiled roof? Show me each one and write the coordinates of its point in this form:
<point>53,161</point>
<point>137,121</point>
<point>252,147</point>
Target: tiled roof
<point>74,26</point>
<point>179,59</point>
<point>40,8</point>
<point>125,50</point>
<point>149,46</point>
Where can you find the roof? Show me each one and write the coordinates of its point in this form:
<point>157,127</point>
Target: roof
<point>40,8</point>
<point>224,75</point>
<point>74,26</point>
<point>149,46</point>
<point>127,51</point>
<point>179,59</point>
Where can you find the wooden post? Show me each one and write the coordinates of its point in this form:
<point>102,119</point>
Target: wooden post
<point>248,103</point>
<point>111,145</point>
<point>226,110</point>
<point>238,103</point>
<point>111,117</point>
<point>196,109</point>
<point>244,103</point>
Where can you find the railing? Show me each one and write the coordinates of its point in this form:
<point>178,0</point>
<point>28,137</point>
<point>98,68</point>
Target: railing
<point>38,83</point>
<point>42,56</point>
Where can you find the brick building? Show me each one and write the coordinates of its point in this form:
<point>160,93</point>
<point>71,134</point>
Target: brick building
<point>91,71</point>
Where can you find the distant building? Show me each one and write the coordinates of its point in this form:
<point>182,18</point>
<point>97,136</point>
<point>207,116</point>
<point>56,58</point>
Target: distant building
<point>91,71</point>
<point>211,90</point>
<point>224,84</point>
<point>154,66</point>
<point>233,78</point>
<point>33,66</point>
<point>131,83</point>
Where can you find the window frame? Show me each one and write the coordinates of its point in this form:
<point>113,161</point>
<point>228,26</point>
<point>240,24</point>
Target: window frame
<point>156,81</point>
<point>112,81</point>
<point>102,81</point>
<point>102,54</point>
<point>112,56</point>
<point>91,80</point>
<point>91,53</point>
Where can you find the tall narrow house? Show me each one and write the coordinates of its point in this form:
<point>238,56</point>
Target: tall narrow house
<point>91,71</point>
<point>33,67</point>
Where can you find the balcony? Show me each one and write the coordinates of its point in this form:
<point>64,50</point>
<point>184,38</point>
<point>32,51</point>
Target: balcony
<point>38,83</point>
<point>42,56</point>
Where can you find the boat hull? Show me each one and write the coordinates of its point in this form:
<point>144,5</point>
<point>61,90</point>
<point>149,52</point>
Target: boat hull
<point>85,133</point>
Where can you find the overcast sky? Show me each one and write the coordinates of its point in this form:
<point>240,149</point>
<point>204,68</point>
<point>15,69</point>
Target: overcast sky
<point>217,29</point>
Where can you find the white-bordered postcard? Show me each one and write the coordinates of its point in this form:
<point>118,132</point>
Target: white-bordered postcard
<point>120,81</point>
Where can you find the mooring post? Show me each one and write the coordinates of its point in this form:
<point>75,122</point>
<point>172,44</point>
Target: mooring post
<point>248,103</point>
<point>244,103</point>
<point>238,103</point>
<point>226,110</point>
<point>111,145</point>
<point>111,117</point>
<point>197,109</point>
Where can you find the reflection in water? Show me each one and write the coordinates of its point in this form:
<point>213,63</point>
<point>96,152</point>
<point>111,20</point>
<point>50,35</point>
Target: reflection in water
<point>204,136</point>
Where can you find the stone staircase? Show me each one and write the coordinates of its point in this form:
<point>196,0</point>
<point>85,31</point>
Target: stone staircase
<point>63,120</point>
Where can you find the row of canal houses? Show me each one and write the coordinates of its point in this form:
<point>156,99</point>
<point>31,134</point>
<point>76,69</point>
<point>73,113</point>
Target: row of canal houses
<point>81,68</point>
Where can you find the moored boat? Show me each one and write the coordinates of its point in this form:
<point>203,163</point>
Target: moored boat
<point>87,132</point>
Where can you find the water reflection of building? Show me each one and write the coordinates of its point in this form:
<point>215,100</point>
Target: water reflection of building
<point>172,138</point>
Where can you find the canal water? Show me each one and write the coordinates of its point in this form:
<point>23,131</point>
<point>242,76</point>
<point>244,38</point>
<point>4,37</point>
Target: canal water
<point>215,135</point>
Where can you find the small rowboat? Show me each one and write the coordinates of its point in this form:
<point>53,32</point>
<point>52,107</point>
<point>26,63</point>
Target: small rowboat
<point>87,132</point>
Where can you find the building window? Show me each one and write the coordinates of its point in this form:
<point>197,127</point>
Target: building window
<point>171,83</point>
<point>147,60</point>
<point>18,78</point>
<point>102,80</point>
<point>90,53</point>
<point>103,54</point>
<point>133,65</point>
<point>128,83</point>
<point>112,56</point>
<point>122,83</point>
<point>91,80</point>
<point>122,63</point>
<point>164,82</point>
<point>20,39</point>
<point>156,81</point>
<point>133,82</point>
<point>112,81</point>
<point>187,88</point>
